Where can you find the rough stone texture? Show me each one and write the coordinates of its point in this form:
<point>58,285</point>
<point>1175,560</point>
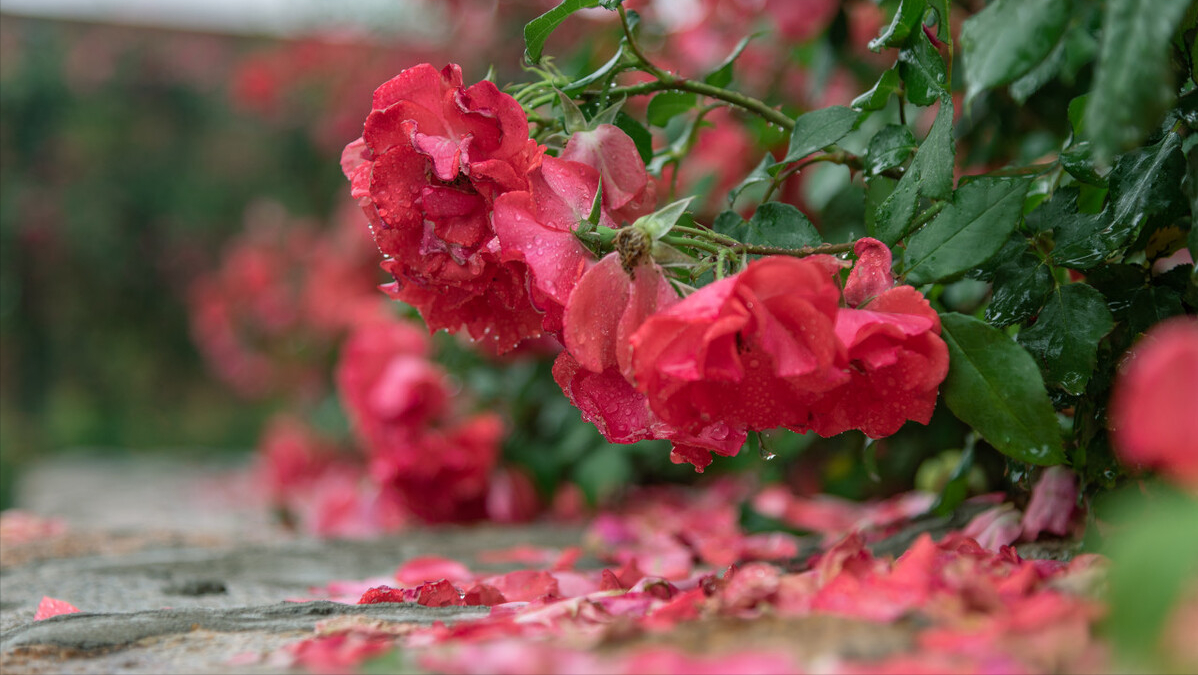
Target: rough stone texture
<point>174,574</point>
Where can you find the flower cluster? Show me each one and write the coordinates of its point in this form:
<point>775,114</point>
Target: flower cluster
<point>438,464</point>
<point>267,319</point>
<point>773,347</point>
<point>483,228</point>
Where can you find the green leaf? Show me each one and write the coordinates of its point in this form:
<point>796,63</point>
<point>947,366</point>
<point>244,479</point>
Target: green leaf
<point>721,75</point>
<point>572,118</point>
<point>930,175</point>
<point>658,223</point>
<point>782,225</point>
<point>956,488</point>
<point>540,28</point>
<point>994,386</point>
<point>1031,82</point>
<point>817,130</point>
<point>932,167</point>
<point>1020,287</point>
<point>599,74</point>
<point>1064,339</point>
<point>879,96</point>
<point>728,223</point>
<point>1007,39</point>
<point>974,227</point>
<point>889,148</point>
<point>906,19</point>
<point>1078,160</point>
<point>1080,240</point>
<point>1154,556</point>
<point>668,104</point>
<point>638,133</point>
<point>943,31</point>
<point>1146,184</point>
<point>1133,85</point>
<point>759,174</point>
<point>922,71</point>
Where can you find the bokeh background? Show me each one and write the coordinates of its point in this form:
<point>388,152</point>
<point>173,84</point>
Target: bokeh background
<point>171,199</point>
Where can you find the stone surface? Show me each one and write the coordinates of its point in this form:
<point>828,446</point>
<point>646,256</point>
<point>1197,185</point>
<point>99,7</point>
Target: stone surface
<point>173,573</point>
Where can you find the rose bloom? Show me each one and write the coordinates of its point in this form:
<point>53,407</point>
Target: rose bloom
<point>1153,403</point>
<point>896,359</point>
<point>388,383</point>
<point>441,474</point>
<point>754,350</point>
<point>421,455</point>
<point>432,159</point>
<point>536,227</point>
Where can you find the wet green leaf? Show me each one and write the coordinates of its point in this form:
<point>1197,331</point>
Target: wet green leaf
<point>1007,39</point>
<point>877,97</point>
<point>668,104</point>
<point>1152,305</point>
<point>540,28</point>
<point>760,174</point>
<point>930,175</point>
<point>778,224</point>
<point>889,148</point>
<point>943,32</point>
<point>906,20</point>
<point>922,71</point>
<point>721,75</point>
<point>729,223</point>
<point>1028,84</point>
<point>1146,184</point>
<point>1081,239</point>
<point>970,230</point>
<point>638,133</point>
<point>1064,339</point>
<point>1020,287</point>
<point>602,72</point>
<point>994,386</point>
<point>818,129</point>
<point>1078,160</point>
<point>658,223</point>
<point>1133,83</point>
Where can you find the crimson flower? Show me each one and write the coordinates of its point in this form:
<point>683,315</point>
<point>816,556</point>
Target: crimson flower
<point>754,350</point>
<point>1152,405</point>
<point>432,159</point>
<point>896,359</point>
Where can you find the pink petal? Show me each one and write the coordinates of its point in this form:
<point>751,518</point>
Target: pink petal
<point>49,607</point>
<point>871,275</point>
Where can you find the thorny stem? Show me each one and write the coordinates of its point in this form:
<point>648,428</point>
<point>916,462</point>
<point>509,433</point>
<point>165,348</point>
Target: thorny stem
<point>693,243</point>
<point>666,80</point>
<point>703,89</point>
<point>757,249</point>
<point>839,157</point>
<point>701,232</point>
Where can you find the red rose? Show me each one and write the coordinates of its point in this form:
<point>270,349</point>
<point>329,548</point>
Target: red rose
<point>754,350</point>
<point>1153,401</point>
<point>896,359</point>
<point>441,475</point>
<point>432,159</point>
<point>537,227</point>
<point>387,382</point>
<point>622,414</point>
<point>628,192</point>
